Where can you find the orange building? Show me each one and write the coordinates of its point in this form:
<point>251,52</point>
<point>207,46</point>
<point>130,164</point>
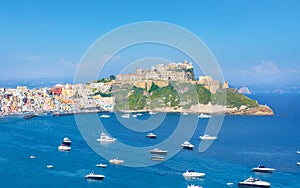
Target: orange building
<point>57,90</point>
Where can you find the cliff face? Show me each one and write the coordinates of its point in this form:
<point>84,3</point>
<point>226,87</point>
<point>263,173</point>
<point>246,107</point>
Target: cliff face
<point>256,111</point>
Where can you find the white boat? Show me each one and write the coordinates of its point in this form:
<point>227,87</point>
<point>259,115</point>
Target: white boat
<point>264,169</point>
<point>94,176</point>
<point>50,166</point>
<point>152,113</point>
<point>298,152</point>
<point>158,151</point>
<point>204,116</point>
<point>185,113</point>
<point>298,163</point>
<point>32,157</point>
<point>65,145</point>
<point>134,115</point>
<point>151,135</point>
<point>157,158</point>
<point>105,116</point>
<point>67,141</point>
<point>208,137</point>
<point>105,138</point>
<point>187,145</point>
<point>194,186</point>
<point>253,182</point>
<point>193,174</point>
<point>101,165</point>
<point>116,161</point>
<point>126,116</point>
<point>139,114</point>
<point>229,184</point>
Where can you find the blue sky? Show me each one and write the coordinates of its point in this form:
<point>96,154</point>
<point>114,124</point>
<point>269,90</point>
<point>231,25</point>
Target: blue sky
<point>256,42</point>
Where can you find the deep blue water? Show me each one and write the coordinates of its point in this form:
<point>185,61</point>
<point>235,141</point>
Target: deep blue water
<point>243,143</point>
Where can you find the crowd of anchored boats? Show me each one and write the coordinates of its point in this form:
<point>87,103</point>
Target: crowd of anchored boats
<point>158,153</point>
<point>188,174</point>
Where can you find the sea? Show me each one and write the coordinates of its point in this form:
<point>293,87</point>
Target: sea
<point>243,142</point>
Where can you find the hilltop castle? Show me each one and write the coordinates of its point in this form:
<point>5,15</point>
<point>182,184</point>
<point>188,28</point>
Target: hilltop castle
<point>161,74</point>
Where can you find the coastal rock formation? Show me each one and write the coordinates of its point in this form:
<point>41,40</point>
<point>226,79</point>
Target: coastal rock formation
<point>244,90</point>
<point>261,110</point>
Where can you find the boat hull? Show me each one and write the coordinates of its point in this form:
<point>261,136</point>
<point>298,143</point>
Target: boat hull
<point>159,152</point>
<point>151,136</point>
<point>245,185</point>
<point>64,148</point>
<point>189,175</point>
<point>207,138</point>
<point>94,177</point>
<point>188,147</point>
<point>263,171</point>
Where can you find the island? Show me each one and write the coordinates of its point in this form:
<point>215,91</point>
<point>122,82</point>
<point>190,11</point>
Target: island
<point>163,88</point>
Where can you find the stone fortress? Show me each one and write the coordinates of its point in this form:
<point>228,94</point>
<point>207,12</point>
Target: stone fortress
<point>162,74</point>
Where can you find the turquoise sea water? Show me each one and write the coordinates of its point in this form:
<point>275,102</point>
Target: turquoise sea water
<point>243,143</point>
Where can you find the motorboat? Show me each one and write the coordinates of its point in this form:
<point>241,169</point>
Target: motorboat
<point>152,113</point>
<point>105,138</point>
<point>193,174</point>
<point>229,184</point>
<point>253,182</point>
<point>208,137</point>
<point>157,158</point>
<point>32,157</point>
<point>187,145</point>
<point>151,135</point>
<point>298,163</point>
<point>94,176</point>
<point>50,166</point>
<point>134,115</point>
<point>65,145</point>
<point>158,151</point>
<point>126,116</point>
<point>101,165</point>
<point>116,161</point>
<point>185,113</point>
<point>105,116</point>
<point>67,141</point>
<point>139,114</point>
<point>264,169</point>
<point>298,152</point>
<point>204,115</point>
<point>194,186</point>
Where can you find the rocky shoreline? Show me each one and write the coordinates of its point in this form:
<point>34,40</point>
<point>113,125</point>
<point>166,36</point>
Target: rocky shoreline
<point>257,111</point>
<point>261,110</point>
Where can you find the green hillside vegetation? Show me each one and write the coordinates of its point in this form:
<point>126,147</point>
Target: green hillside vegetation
<point>235,99</point>
<point>178,95</point>
<point>137,99</point>
<point>168,94</point>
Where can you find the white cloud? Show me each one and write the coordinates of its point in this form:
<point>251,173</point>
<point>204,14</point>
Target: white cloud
<point>266,67</point>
